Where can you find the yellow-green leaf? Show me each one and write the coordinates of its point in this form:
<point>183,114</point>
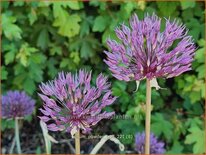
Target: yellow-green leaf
<point>24,53</point>
<point>10,29</point>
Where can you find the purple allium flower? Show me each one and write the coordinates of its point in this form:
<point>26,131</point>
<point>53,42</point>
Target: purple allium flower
<point>16,104</point>
<point>143,51</point>
<point>71,103</point>
<point>156,147</point>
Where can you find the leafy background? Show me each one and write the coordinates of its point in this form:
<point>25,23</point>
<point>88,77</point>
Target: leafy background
<point>39,39</point>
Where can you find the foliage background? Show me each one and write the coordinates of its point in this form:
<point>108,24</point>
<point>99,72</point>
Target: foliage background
<point>41,38</point>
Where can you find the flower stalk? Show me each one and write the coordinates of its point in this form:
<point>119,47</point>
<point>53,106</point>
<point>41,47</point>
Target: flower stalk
<point>17,139</point>
<point>77,142</point>
<point>148,117</point>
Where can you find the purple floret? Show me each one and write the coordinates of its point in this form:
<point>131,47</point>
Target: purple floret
<point>156,146</point>
<point>72,103</point>
<point>16,104</point>
<point>143,51</point>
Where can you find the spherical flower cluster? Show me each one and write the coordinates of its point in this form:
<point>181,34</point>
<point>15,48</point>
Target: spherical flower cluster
<point>16,104</point>
<point>156,147</point>
<point>72,103</point>
<point>143,51</point>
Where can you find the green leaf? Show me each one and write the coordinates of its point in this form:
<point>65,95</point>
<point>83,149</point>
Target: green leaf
<point>43,39</point>
<point>10,55</point>
<point>160,125</point>
<point>177,148</point>
<point>28,118</point>
<point>196,137</point>
<point>100,24</point>
<point>68,24</point>
<point>201,71</point>
<point>68,64</point>
<point>38,58</point>
<point>10,29</point>
<point>74,5</point>
<point>84,28</point>
<point>75,57</point>
<point>36,72</point>
<point>201,42</point>
<point>167,8</point>
<point>108,33</point>
<point>18,3</point>
<point>88,47</point>
<point>38,150</point>
<point>121,85</point>
<point>195,28</point>
<point>86,50</point>
<point>199,54</point>
<point>70,27</point>
<point>187,15</point>
<point>128,130</point>
<point>44,3</point>
<point>203,91</point>
<point>55,50</point>
<point>29,86</point>
<point>198,10</point>
<point>19,79</point>
<point>19,69</point>
<point>58,11</point>
<point>102,5</point>
<point>129,6</point>
<point>7,124</point>
<point>64,63</point>
<point>195,96</point>
<point>52,70</point>
<point>32,16</point>
<point>4,73</point>
<point>196,121</point>
<point>85,25</point>
<point>4,4</point>
<point>187,4</point>
<point>119,89</point>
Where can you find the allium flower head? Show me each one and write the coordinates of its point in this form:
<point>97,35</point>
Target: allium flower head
<point>156,147</point>
<point>72,103</point>
<point>143,51</point>
<point>16,104</point>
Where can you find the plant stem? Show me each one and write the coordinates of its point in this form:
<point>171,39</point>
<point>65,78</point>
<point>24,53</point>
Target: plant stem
<point>103,140</point>
<point>148,117</point>
<point>77,142</point>
<point>48,145</point>
<point>12,146</point>
<point>17,136</point>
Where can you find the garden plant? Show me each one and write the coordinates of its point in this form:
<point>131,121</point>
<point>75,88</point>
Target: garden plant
<point>77,77</point>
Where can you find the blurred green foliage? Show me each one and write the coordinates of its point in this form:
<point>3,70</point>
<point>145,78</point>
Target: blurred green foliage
<point>41,38</point>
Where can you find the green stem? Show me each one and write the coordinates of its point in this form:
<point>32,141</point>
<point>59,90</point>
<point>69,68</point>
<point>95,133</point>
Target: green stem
<point>17,136</point>
<point>148,117</point>
<point>77,142</point>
